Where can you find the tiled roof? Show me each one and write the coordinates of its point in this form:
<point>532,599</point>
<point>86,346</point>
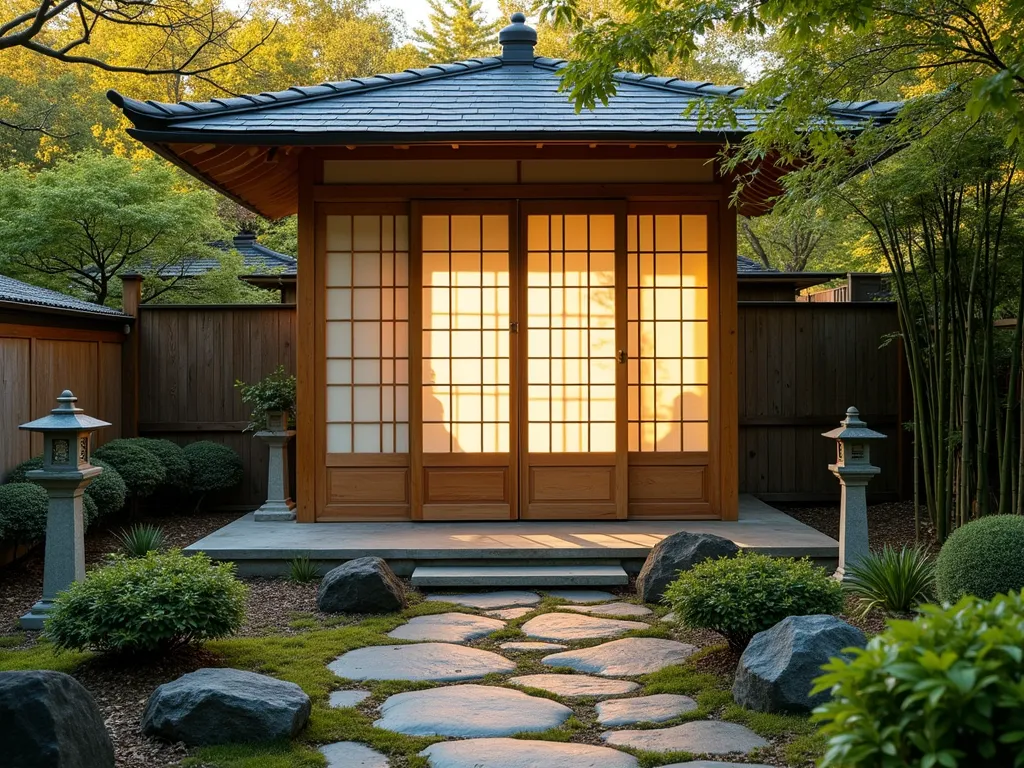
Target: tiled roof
<point>255,256</point>
<point>748,266</point>
<point>17,292</point>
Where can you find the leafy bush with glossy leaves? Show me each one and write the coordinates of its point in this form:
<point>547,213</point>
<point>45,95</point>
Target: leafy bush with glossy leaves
<point>177,472</point>
<point>749,593</point>
<point>23,509</point>
<point>107,489</point>
<point>946,689</point>
<point>893,580</point>
<point>149,604</point>
<point>215,467</point>
<point>142,471</point>
<point>984,558</point>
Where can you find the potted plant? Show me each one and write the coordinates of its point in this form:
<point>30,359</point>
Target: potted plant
<point>272,399</point>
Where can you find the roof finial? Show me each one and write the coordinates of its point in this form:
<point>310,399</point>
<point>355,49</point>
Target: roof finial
<point>517,41</point>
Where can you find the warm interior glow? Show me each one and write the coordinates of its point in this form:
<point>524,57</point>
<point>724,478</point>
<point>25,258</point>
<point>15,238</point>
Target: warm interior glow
<point>570,319</point>
<point>367,334</point>
<point>667,293</point>
<point>466,375</point>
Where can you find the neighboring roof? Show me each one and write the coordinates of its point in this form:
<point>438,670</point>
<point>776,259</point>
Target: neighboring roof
<point>749,266</point>
<point>16,292</point>
<point>256,257</point>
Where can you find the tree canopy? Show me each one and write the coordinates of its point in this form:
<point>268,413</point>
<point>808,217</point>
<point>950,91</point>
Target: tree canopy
<point>458,30</point>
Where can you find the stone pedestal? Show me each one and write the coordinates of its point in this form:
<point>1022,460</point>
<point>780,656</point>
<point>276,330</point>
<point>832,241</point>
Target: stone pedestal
<point>279,505</point>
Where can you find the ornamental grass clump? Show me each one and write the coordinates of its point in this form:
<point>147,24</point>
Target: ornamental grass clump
<point>148,605</point>
<point>894,581</point>
<point>737,597</point>
<point>140,540</point>
<point>142,471</point>
<point>984,558</point>
<point>946,689</point>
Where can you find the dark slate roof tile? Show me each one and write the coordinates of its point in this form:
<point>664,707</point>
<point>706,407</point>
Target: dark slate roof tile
<point>15,291</point>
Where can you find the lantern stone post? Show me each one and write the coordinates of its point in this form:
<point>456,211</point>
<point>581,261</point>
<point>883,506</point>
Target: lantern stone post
<point>279,505</point>
<point>854,469</point>
<point>65,474</point>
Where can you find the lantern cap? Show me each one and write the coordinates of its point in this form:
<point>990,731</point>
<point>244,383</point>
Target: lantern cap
<point>66,417</point>
<point>852,428</point>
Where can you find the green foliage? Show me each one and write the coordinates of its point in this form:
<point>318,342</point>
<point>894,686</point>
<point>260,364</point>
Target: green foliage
<point>275,392</point>
<point>90,512</point>
<point>140,540</point>
<point>301,570</point>
<point>458,30</point>
<point>893,580</point>
<point>222,285</point>
<point>177,472</point>
<point>147,605</point>
<point>984,558</point>
<point>107,489</point>
<point>946,689</point>
<point>22,511</point>
<point>20,473</point>
<point>215,467</point>
<point>141,470</point>
<point>743,595</point>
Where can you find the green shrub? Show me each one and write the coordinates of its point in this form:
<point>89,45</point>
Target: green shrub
<point>946,689</point>
<point>275,392</point>
<point>215,467</point>
<point>90,512</point>
<point>140,540</point>
<point>984,558</point>
<point>141,470</point>
<point>23,511</point>
<point>177,472</point>
<point>893,580</point>
<point>20,473</point>
<point>107,489</point>
<point>743,595</point>
<point>148,605</point>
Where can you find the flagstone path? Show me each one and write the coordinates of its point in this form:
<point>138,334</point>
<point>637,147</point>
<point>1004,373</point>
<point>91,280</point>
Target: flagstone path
<point>481,716</point>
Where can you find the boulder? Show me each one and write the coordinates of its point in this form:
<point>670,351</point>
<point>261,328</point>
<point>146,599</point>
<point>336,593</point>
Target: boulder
<point>777,670</point>
<point>678,552</point>
<point>364,585</point>
<point>50,719</point>
<point>223,706</point>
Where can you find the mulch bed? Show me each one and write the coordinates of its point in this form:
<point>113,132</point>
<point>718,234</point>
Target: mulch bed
<point>891,523</point>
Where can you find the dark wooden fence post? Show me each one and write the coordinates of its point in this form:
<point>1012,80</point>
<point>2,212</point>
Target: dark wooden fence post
<point>131,303</point>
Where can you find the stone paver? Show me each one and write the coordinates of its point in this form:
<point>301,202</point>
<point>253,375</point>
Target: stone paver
<point>581,595</point>
<point>490,600</point>
<point>469,711</point>
<point>701,737</point>
<point>610,609</point>
<point>715,764</point>
<point>352,754</point>
<point>509,613</point>
<point>576,685</point>
<point>571,626</point>
<point>438,662</point>
<point>529,645</point>
<point>521,753</point>
<point>625,657</point>
<point>447,628</point>
<point>341,699</point>
<point>643,709</point>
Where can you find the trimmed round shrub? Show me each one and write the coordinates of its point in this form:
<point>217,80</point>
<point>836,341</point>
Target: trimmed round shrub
<point>20,473</point>
<point>749,593</point>
<point>90,511</point>
<point>148,604</point>
<point>984,558</point>
<point>107,489</point>
<point>215,467</point>
<point>23,509</point>
<point>946,689</point>
<point>141,470</point>
<point>177,473</point>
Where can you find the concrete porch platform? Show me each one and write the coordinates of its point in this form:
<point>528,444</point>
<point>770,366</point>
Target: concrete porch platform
<point>266,548</point>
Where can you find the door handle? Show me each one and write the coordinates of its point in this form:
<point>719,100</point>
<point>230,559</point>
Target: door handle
<point>622,356</point>
<point>513,327</point>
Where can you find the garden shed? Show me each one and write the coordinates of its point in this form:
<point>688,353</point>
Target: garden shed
<point>506,309</point>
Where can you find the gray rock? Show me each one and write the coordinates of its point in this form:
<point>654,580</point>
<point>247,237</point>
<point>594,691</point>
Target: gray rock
<point>701,737</point>
<point>469,711</point>
<point>571,626</point>
<point>340,699</point>
<point>643,709</point>
<point>715,764</point>
<point>509,613</point>
<point>528,645</point>
<point>670,618</point>
<point>678,552</point>
<point>619,658</point>
<point>437,662</point>
<point>364,585</point>
<point>489,600</point>
<point>611,609</point>
<point>581,595</point>
<point>352,754</point>
<point>777,670</point>
<point>520,753</point>
<point>447,628</point>
<point>49,719</point>
<point>575,685</point>
<point>222,706</point>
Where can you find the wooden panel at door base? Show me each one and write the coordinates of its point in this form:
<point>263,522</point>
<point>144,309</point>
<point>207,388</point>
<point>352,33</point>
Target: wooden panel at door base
<point>366,493</point>
<point>466,493</point>
<point>669,491</point>
<point>570,492</point>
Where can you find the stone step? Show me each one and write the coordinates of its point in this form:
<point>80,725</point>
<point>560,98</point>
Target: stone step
<point>519,576</point>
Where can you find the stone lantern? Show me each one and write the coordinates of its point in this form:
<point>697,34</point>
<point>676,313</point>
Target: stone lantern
<point>279,505</point>
<point>854,469</point>
<point>65,474</point>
